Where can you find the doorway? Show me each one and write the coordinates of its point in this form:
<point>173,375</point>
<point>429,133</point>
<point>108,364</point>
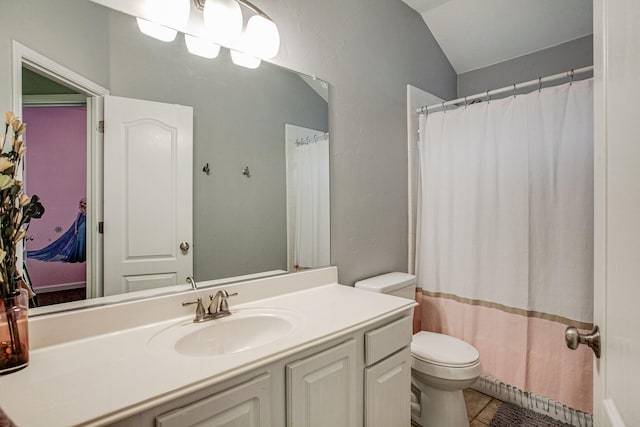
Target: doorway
<point>55,246</point>
<point>68,95</point>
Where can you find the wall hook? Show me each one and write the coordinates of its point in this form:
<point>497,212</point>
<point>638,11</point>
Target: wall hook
<point>206,169</point>
<point>246,172</point>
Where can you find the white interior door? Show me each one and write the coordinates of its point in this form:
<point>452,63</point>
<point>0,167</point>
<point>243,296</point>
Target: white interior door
<point>148,194</point>
<point>617,211</point>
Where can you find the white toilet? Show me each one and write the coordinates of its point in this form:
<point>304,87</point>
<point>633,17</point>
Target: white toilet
<point>441,365</point>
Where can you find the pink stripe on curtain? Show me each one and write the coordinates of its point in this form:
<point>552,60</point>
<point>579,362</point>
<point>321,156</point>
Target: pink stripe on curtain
<point>526,352</point>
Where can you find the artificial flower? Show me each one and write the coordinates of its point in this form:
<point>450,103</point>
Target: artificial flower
<point>15,125</point>
<point>5,164</point>
<point>19,235</point>
<point>6,181</point>
<point>21,129</point>
<point>16,208</point>
<point>9,117</point>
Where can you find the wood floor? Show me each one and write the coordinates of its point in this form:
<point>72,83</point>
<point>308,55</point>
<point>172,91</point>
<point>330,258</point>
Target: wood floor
<point>49,298</point>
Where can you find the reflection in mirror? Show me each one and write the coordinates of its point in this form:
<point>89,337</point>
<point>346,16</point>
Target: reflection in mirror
<point>235,224</point>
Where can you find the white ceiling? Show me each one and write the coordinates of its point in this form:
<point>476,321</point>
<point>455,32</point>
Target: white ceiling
<point>478,33</point>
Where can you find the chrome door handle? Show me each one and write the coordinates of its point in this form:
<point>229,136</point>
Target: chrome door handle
<point>575,338</point>
<point>184,247</point>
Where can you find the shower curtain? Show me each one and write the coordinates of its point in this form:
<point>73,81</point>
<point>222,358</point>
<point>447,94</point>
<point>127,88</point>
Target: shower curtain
<point>505,235</point>
<point>311,222</point>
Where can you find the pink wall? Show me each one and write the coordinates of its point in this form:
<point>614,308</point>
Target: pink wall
<point>56,170</point>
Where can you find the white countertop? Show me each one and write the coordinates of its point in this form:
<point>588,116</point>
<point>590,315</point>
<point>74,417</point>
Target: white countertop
<point>98,380</point>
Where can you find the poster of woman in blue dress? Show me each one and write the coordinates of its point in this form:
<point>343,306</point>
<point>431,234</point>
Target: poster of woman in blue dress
<point>70,246</point>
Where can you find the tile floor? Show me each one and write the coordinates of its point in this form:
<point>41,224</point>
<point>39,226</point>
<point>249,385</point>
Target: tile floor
<point>480,408</point>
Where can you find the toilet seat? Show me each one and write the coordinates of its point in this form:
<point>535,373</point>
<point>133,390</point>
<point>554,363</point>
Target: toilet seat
<point>443,350</point>
<point>443,356</point>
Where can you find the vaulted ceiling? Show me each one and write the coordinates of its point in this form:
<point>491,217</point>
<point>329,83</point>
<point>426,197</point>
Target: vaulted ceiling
<point>477,33</point>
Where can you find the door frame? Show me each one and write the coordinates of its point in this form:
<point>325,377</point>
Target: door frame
<point>32,60</point>
<point>599,199</point>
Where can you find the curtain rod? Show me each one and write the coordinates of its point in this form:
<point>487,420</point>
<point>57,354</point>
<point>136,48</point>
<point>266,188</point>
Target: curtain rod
<point>311,139</point>
<point>514,88</point>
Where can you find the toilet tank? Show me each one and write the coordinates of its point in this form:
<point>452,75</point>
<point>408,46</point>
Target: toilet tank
<point>397,284</point>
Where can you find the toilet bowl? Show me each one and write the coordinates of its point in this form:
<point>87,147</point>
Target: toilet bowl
<point>441,365</point>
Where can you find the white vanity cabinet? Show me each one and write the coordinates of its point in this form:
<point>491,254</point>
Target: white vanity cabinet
<point>247,404</point>
<point>322,389</point>
<point>359,378</point>
<point>347,367</point>
<point>387,379</point>
<point>387,391</point>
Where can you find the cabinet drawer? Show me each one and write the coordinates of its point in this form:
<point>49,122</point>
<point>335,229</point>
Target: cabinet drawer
<point>388,339</point>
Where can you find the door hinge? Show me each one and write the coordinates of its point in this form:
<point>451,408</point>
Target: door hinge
<point>101,126</point>
<point>101,227</point>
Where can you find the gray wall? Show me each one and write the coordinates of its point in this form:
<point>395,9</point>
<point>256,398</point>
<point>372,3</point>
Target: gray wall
<point>369,50</point>
<point>239,117</point>
<point>571,55</point>
<point>87,59</point>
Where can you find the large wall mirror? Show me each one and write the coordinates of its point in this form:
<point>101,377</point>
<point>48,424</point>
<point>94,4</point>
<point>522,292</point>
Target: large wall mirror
<point>200,168</point>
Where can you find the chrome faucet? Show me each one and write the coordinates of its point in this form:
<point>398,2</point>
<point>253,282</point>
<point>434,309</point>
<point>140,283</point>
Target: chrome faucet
<point>218,307</point>
<point>219,303</point>
<point>192,282</point>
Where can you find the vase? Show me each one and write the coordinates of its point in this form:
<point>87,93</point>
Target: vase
<point>14,332</point>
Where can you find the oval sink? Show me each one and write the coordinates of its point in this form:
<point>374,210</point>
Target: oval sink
<point>243,330</point>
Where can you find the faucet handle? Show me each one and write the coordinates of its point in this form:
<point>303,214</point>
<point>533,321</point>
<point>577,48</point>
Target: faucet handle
<point>224,304</point>
<point>200,311</point>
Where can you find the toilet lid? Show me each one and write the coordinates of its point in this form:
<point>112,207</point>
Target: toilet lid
<point>443,349</point>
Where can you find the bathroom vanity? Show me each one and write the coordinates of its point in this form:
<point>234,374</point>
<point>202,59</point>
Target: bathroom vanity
<point>312,353</point>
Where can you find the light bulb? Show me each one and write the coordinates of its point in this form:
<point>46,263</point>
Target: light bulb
<point>244,60</point>
<point>261,37</point>
<point>171,13</point>
<point>223,20</point>
<point>201,47</point>
<point>157,31</point>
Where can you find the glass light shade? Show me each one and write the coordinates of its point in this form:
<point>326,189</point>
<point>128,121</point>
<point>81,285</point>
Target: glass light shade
<point>223,20</point>
<point>171,13</point>
<point>156,31</point>
<point>262,38</point>
<point>244,60</point>
<point>201,47</point>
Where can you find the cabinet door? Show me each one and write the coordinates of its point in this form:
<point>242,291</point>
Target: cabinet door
<point>387,391</point>
<point>246,405</point>
<point>321,389</point>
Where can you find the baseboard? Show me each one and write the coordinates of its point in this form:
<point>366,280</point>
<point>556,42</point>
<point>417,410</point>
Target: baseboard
<point>60,287</point>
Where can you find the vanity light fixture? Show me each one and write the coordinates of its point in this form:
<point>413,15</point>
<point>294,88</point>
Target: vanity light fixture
<point>164,16</point>
<point>155,30</point>
<point>222,26</point>
<point>261,37</point>
<point>222,20</point>
<point>244,60</point>
<point>201,47</point>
